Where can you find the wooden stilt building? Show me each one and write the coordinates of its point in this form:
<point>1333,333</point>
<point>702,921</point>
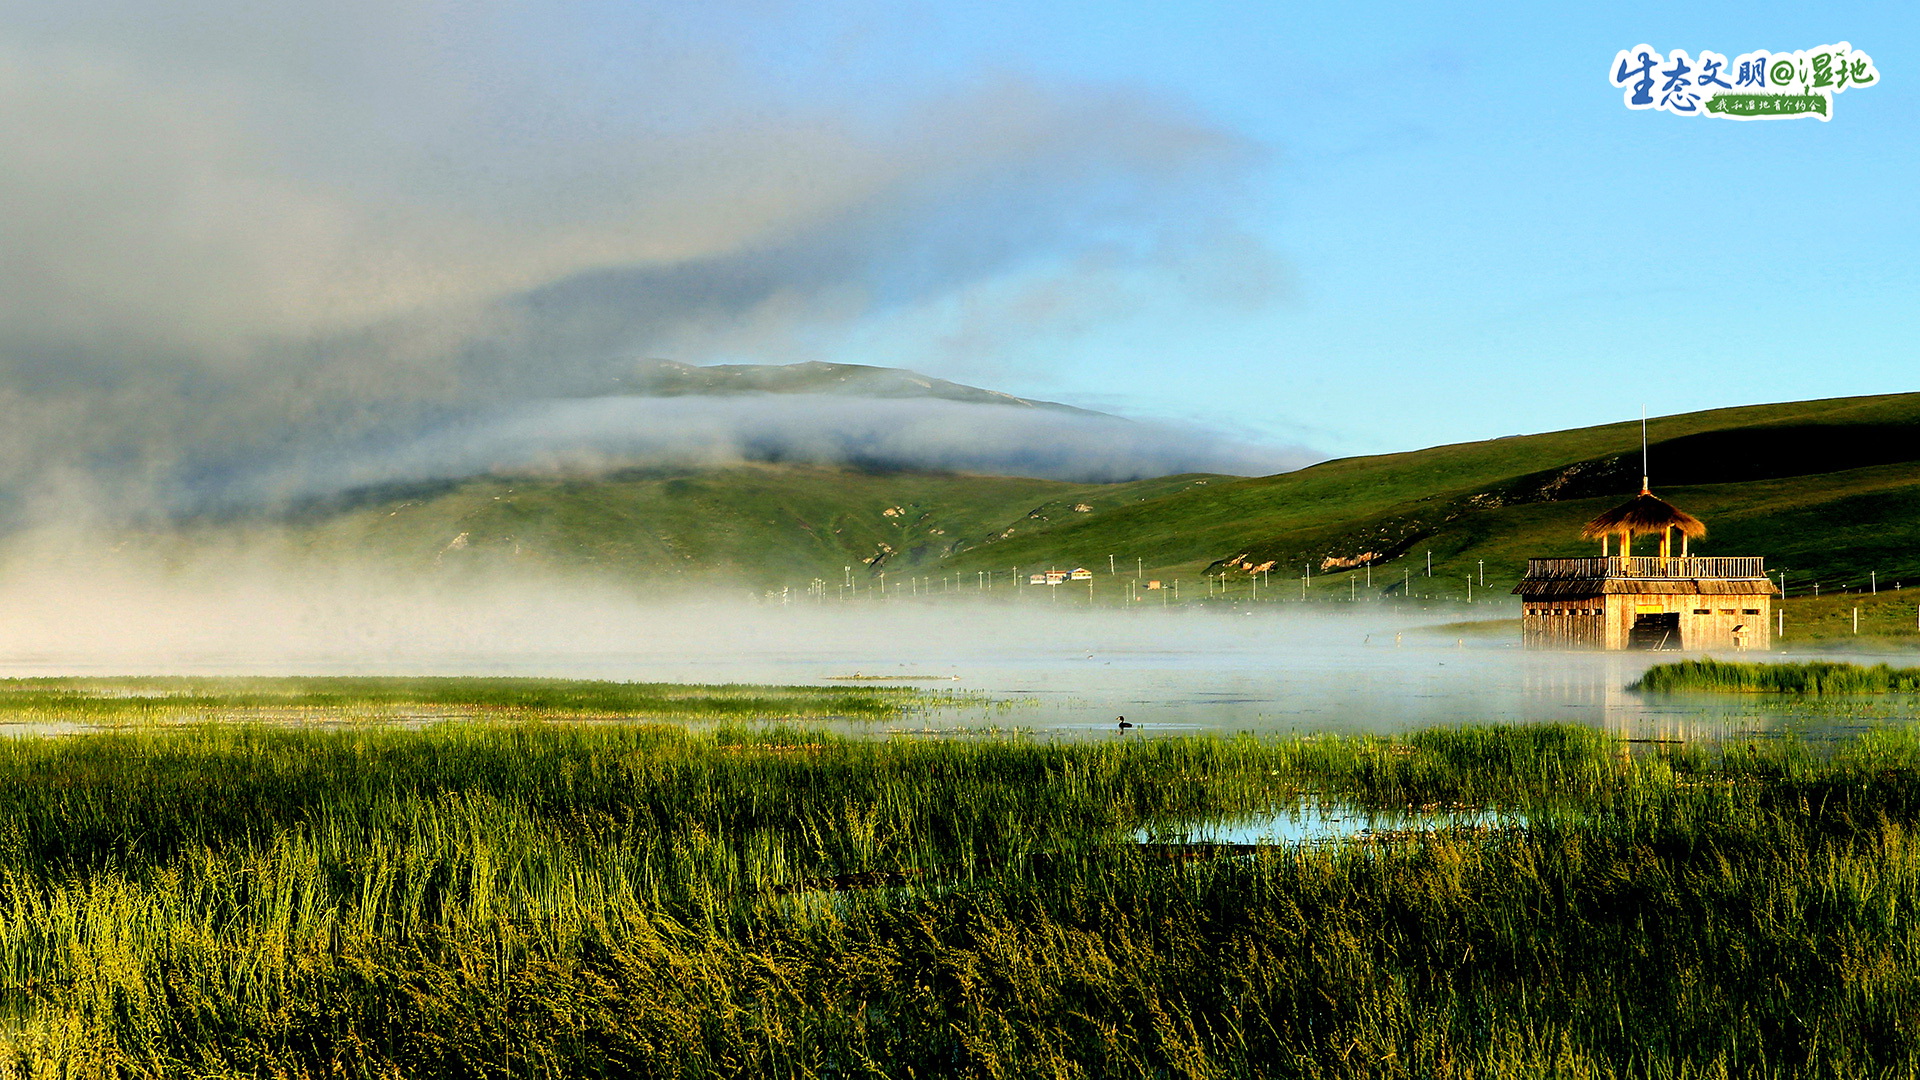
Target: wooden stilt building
<point>1663,601</point>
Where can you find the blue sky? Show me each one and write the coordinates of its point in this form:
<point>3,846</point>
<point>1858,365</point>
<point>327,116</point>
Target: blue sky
<point>1474,236</point>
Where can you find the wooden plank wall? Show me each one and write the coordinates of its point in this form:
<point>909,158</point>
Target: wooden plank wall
<point>1604,622</point>
<point>1564,624</point>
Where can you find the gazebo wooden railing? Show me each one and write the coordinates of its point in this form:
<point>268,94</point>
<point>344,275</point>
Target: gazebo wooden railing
<point>1635,566</point>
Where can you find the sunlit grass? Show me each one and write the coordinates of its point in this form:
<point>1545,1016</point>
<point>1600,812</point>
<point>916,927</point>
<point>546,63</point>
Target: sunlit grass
<point>1890,616</point>
<point>123,699</point>
<point>1818,677</point>
<point>596,900</point>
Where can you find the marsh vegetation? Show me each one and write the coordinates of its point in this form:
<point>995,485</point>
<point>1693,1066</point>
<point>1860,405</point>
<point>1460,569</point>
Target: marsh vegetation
<point>134,700</point>
<point>1814,677</point>
<point>540,899</point>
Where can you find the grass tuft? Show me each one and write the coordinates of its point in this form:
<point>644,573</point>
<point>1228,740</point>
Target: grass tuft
<point>1817,677</point>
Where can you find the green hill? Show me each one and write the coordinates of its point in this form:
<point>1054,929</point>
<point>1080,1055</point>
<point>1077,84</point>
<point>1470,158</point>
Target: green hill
<point>757,525</point>
<point>1826,490</point>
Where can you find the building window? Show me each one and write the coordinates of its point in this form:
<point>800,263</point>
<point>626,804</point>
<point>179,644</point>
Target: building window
<point>1702,611</point>
<point>1750,611</point>
<point>1726,611</point>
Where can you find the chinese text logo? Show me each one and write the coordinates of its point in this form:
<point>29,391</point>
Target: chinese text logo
<point>1754,86</point>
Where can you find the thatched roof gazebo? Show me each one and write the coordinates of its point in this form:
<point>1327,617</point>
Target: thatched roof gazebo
<point>1620,602</point>
<point>1645,515</point>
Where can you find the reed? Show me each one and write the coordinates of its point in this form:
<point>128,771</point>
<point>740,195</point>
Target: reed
<point>1817,677</point>
<point>492,900</point>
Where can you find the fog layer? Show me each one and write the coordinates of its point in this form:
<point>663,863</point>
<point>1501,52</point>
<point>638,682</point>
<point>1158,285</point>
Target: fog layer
<point>1066,669</point>
<point>605,433</point>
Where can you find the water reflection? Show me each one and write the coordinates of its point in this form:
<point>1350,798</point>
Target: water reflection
<point>1074,674</point>
<point>1316,823</point>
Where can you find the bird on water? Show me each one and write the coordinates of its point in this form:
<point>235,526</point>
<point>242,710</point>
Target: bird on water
<point>1123,725</point>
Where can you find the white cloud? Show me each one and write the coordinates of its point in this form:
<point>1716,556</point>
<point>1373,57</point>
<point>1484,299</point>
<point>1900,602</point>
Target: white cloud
<point>613,432</point>
<point>240,237</point>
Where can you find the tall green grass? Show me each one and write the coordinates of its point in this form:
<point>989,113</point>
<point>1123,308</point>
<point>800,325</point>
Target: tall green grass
<point>124,698</point>
<point>595,900</point>
<point>1817,677</point>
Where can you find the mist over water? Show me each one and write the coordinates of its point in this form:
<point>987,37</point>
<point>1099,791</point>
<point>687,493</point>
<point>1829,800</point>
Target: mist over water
<point>1066,669</point>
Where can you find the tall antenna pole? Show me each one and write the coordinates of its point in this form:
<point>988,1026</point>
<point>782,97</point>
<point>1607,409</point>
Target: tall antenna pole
<point>1644,489</point>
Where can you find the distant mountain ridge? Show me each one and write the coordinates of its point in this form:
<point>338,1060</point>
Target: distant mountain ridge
<point>669,378</point>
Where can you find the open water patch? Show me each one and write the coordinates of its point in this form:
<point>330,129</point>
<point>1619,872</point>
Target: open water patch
<point>1313,823</point>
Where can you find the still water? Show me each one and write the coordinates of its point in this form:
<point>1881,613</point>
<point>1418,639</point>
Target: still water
<point>1308,823</point>
<point>1281,672</point>
<point>1053,671</point>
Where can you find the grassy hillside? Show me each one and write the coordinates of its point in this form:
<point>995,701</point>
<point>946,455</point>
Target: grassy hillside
<point>1890,616</point>
<point>764,525</point>
<point>1827,490</point>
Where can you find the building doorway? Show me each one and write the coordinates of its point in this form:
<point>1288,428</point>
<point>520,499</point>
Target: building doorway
<point>1659,631</point>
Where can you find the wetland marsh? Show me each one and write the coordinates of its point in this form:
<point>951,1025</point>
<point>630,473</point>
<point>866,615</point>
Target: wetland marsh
<point>569,899</point>
<point>49,704</point>
<point>466,876</point>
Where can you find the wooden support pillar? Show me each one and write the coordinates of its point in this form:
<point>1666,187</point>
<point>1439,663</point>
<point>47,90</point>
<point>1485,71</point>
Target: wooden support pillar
<point>1666,543</point>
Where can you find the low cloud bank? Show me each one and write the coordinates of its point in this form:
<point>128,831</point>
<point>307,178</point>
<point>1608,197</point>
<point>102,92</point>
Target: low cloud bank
<point>266,238</point>
<point>611,432</point>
